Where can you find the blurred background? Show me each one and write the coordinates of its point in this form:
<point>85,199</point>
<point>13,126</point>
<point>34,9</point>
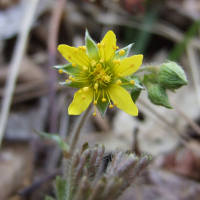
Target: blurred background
<point>32,99</point>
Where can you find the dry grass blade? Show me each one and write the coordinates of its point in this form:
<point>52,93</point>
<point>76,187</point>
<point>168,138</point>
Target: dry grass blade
<point>15,65</point>
<point>194,69</point>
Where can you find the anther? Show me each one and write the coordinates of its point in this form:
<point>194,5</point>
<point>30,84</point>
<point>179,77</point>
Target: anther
<point>115,47</point>
<point>73,79</point>
<point>85,68</point>
<point>119,75</point>
<point>115,104</point>
<point>103,44</point>
<point>83,48</point>
<point>104,100</point>
<point>107,78</point>
<point>99,66</point>
<point>75,51</point>
<point>110,106</point>
<point>67,81</point>
<point>69,57</point>
<point>93,63</point>
<point>80,47</point>
<point>132,65</point>
<point>83,97</point>
<point>94,114</point>
<point>96,85</point>
<point>60,71</point>
<point>73,64</point>
<point>118,61</point>
<point>80,91</point>
<point>102,60</point>
<point>99,45</point>
<point>119,82</point>
<point>121,52</point>
<point>115,62</point>
<point>85,89</point>
<point>70,77</point>
<point>132,82</point>
<point>95,102</point>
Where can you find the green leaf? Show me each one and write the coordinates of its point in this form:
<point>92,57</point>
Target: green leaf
<point>69,69</point>
<point>135,95</point>
<point>102,106</point>
<point>157,94</point>
<point>91,46</point>
<point>61,143</point>
<point>49,198</point>
<point>75,84</point>
<point>61,188</point>
<point>126,49</point>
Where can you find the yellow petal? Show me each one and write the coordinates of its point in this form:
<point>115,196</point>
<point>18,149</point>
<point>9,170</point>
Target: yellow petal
<point>79,104</point>
<point>109,40</point>
<point>129,65</point>
<point>123,99</point>
<point>74,55</point>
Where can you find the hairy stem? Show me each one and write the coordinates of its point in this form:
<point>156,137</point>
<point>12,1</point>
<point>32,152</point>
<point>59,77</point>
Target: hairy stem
<point>79,125</point>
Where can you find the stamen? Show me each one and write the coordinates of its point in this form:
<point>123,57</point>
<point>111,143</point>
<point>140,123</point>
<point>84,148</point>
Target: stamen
<point>73,64</point>
<point>99,66</point>
<point>85,68</point>
<point>103,44</point>
<point>60,71</point>
<point>80,91</point>
<point>83,97</point>
<point>115,47</point>
<point>69,57</point>
<point>110,106</point>
<point>132,65</point>
<point>85,89</point>
<point>70,77</point>
<point>80,48</point>
<point>132,82</point>
<point>119,75</point>
<point>94,114</point>
<point>73,79</point>
<point>115,104</point>
<point>96,85</point>
<point>104,100</point>
<point>84,48</point>
<point>99,45</point>
<point>102,60</point>
<point>119,82</point>
<point>67,81</point>
<point>95,102</point>
<point>93,63</point>
<point>121,52</point>
<point>107,79</point>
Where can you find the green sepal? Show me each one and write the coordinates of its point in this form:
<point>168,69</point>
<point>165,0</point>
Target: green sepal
<point>156,94</point>
<point>126,49</point>
<point>61,186</point>
<point>69,69</point>
<point>61,143</point>
<point>102,106</point>
<point>135,95</point>
<point>91,46</point>
<point>49,198</point>
<point>75,84</point>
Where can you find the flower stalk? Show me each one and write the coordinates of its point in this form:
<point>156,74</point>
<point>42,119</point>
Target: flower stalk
<point>76,132</point>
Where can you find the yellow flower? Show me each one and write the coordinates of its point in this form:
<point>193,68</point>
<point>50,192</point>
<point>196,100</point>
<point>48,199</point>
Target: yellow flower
<point>99,71</point>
